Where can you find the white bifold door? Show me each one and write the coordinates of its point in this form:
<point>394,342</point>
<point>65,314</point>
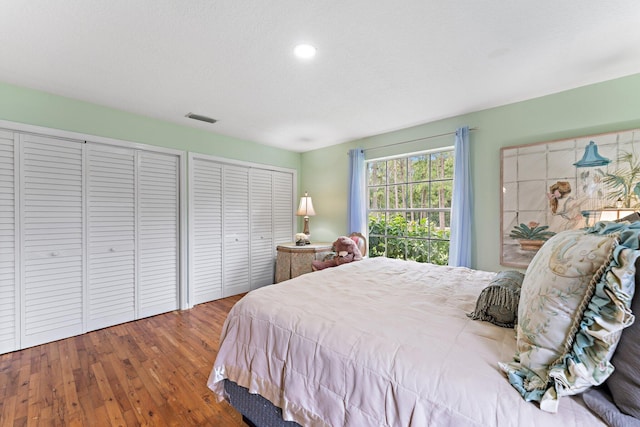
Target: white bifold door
<point>89,237</point>
<point>238,214</point>
<point>132,234</point>
<point>111,217</point>
<point>262,243</point>
<point>52,235</point>
<point>158,238</point>
<point>205,223</point>
<point>235,202</point>
<point>9,293</point>
<point>283,207</point>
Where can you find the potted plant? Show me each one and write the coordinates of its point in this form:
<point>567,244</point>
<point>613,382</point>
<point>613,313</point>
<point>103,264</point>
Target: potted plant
<point>532,236</point>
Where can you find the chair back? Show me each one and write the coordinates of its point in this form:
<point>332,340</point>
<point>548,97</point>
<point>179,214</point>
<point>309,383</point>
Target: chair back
<point>361,242</point>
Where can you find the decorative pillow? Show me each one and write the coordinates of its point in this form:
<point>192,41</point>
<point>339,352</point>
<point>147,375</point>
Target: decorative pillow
<point>624,383</point>
<point>498,302</point>
<point>574,303</point>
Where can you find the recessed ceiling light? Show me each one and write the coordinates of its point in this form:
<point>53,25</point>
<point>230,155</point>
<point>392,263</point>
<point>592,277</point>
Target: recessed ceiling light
<point>304,51</point>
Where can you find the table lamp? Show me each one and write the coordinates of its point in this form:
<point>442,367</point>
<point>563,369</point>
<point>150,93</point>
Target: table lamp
<point>306,209</point>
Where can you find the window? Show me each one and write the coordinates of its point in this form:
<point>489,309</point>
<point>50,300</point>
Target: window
<point>410,206</point>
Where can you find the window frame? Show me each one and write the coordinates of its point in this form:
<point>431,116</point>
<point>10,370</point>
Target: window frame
<point>388,213</point>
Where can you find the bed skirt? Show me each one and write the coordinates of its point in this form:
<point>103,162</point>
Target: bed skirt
<point>256,410</point>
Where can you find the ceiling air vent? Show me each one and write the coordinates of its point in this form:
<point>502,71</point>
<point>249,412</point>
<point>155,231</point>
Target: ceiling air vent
<point>201,118</point>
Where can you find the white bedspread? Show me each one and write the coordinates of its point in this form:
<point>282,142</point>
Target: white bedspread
<point>379,342</point>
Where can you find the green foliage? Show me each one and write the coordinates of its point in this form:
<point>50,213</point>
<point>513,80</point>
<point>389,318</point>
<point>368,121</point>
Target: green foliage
<point>409,204</point>
<point>533,231</point>
<point>414,240</point>
<point>624,181</point>
<point>422,181</point>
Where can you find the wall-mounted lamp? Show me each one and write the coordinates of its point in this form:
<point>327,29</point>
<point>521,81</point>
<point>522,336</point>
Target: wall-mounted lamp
<point>306,209</point>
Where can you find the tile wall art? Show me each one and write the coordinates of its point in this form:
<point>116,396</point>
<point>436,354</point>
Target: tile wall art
<point>548,187</point>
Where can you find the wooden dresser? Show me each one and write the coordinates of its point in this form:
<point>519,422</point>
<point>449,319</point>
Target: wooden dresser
<point>292,260</point>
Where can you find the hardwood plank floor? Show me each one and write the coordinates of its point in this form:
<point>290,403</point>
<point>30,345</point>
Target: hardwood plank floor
<point>149,372</point>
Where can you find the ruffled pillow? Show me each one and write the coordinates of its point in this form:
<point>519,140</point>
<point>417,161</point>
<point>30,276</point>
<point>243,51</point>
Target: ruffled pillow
<point>624,383</point>
<point>498,302</point>
<point>574,302</point>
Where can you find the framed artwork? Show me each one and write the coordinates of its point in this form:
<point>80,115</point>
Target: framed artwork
<point>548,187</point>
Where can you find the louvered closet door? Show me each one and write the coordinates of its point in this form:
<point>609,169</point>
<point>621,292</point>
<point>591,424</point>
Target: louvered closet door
<point>283,206</point>
<point>52,239</point>
<point>111,235</point>
<point>262,247</point>
<point>206,223</point>
<point>236,230</point>
<point>158,233</point>
<point>9,332</point>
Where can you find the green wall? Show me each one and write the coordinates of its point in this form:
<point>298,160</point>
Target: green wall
<point>603,107</point>
<point>18,104</point>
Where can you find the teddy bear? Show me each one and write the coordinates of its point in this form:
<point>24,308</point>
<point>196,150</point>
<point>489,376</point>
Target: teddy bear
<point>346,251</point>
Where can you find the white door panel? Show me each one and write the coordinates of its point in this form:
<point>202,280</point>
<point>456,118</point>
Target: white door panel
<point>9,332</point>
<point>262,247</point>
<point>206,230</point>
<point>283,207</point>
<point>158,233</point>
<point>111,235</point>
<point>52,239</point>
<point>236,230</point>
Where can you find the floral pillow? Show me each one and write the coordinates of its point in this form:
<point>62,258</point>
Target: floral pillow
<point>574,302</point>
<point>498,302</point>
<point>624,383</point>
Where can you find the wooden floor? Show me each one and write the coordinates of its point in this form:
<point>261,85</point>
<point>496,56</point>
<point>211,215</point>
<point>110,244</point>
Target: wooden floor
<point>148,372</point>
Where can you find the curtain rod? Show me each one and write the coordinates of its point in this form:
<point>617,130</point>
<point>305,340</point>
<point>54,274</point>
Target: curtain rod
<point>413,140</point>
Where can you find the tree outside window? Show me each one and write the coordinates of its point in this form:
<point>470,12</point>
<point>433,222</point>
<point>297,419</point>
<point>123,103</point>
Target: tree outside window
<point>410,206</point>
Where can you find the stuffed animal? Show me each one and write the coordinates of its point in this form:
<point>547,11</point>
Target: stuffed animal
<point>346,251</point>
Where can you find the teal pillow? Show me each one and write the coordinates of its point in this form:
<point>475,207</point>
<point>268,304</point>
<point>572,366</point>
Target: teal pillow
<point>498,302</point>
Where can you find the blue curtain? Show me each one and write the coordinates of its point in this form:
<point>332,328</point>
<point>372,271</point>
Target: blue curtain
<point>357,209</point>
<point>460,246</point>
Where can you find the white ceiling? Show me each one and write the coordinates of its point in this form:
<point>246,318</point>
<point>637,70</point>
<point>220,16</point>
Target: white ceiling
<point>381,65</point>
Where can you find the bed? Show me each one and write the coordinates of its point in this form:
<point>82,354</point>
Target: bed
<point>379,342</point>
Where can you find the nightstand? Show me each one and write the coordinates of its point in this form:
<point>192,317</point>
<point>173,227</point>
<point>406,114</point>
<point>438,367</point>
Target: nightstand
<point>292,260</point>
